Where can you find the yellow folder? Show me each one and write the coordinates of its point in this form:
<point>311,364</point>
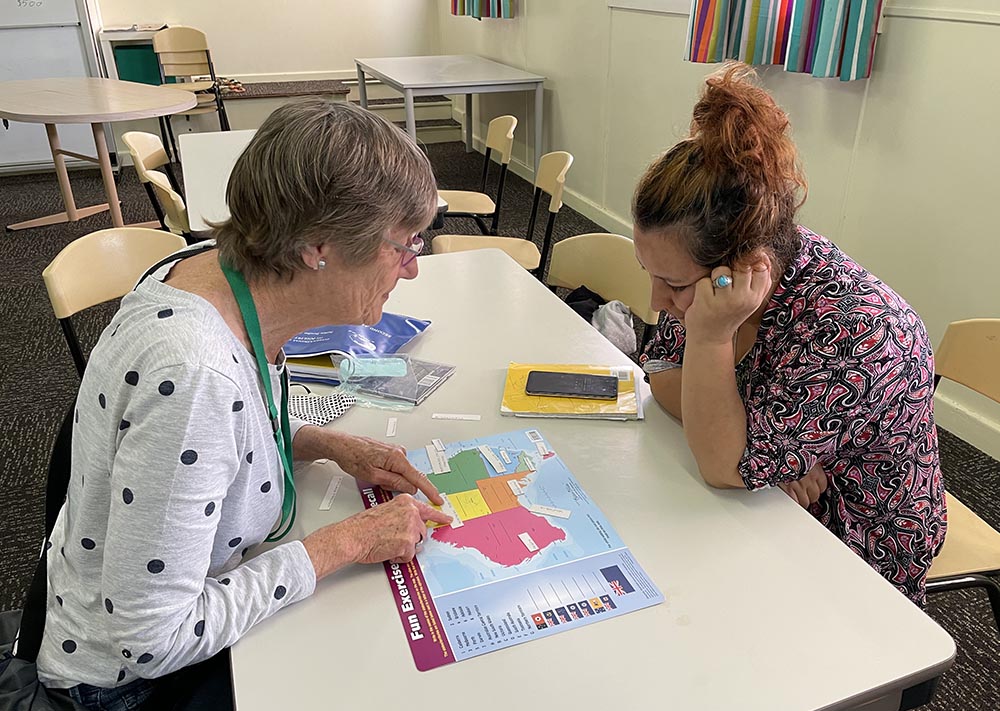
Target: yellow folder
<point>517,402</point>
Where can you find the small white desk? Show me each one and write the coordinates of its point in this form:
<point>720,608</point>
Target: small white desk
<point>451,74</point>
<point>765,609</point>
<point>85,100</point>
<point>207,160</point>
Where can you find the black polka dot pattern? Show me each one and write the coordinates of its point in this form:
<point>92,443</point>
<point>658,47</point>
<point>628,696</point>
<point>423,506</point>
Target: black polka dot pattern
<point>59,600</point>
<point>124,425</point>
<point>225,581</point>
<point>234,357</point>
<point>265,487</point>
<point>48,545</point>
<point>127,496</point>
<point>237,406</point>
<point>121,675</point>
<point>199,628</point>
<point>155,566</point>
<point>166,388</point>
<point>69,646</point>
<point>279,592</point>
<point>115,331</point>
<point>88,543</point>
<point>235,542</point>
<point>76,417</point>
<point>132,377</point>
<point>144,658</point>
<point>210,509</point>
<point>109,606</point>
<point>188,457</point>
<point>102,400</point>
<point>127,654</point>
<point>250,457</point>
<point>165,313</point>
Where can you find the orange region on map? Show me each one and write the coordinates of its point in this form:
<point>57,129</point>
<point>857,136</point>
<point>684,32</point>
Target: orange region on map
<point>496,491</point>
<point>496,535</point>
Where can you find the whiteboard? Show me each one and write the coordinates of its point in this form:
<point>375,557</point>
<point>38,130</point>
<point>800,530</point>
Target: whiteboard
<point>28,13</point>
<point>669,7</point>
<point>36,53</point>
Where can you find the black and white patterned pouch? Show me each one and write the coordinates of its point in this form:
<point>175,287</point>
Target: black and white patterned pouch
<point>319,409</point>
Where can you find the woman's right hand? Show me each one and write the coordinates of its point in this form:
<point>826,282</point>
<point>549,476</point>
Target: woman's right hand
<point>388,532</point>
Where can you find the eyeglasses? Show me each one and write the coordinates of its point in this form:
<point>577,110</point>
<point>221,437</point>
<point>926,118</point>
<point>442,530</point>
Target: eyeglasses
<point>410,251</point>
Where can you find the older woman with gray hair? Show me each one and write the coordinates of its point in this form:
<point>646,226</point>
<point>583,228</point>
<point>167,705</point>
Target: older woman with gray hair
<point>182,443</point>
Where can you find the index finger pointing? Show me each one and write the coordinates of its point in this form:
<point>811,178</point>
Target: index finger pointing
<point>429,513</point>
<point>418,479</point>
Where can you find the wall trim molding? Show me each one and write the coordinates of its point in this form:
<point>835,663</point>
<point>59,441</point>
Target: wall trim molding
<point>971,426</point>
<point>317,75</point>
<point>943,15</point>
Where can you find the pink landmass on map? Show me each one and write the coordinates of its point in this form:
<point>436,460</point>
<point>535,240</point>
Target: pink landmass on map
<point>496,535</point>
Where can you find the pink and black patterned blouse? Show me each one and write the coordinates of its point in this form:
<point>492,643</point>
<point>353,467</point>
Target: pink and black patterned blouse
<point>842,374</point>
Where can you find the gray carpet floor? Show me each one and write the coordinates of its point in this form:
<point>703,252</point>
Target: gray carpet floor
<point>38,383</point>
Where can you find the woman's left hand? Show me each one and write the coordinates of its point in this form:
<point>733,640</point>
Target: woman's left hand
<point>383,464</point>
<point>718,311</point>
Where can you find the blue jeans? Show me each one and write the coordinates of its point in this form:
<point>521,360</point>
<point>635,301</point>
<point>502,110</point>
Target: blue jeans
<point>122,698</point>
<point>206,686</point>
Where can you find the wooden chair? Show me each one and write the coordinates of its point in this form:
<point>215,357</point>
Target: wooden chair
<point>99,267</point>
<point>605,264</point>
<point>551,179</point>
<point>175,216</point>
<point>182,54</point>
<point>479,205</point>
<point>969,355</point>
<point>148,155</point>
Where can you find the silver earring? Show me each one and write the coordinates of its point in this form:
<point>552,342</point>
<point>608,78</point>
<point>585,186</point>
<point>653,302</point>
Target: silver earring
<point>321,264</point>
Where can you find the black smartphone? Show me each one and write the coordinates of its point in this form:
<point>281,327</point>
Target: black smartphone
<point>597,387</point>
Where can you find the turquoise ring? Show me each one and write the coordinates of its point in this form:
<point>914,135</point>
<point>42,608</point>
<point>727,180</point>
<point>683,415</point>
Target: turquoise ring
<point>722,281</point>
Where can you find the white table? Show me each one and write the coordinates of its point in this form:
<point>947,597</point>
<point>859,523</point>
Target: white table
<point>765,609</point>
<point>451,74</point>
<point>85,100</point>
<point>207,160</point>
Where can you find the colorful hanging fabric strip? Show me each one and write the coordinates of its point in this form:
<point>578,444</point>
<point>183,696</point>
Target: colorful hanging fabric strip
<point>825,38</point>
<point>503,9</point>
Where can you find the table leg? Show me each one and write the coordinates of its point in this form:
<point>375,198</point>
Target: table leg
<point>362,89</point>
<point>468,123</point>
<point>107,174</point>
<point>72,213</point>
<point>411,120</point>
<point>539,102</point>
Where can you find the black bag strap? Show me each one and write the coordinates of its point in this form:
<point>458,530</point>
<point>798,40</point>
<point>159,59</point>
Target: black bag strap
<point>176,257</point>
<point>33,615</point>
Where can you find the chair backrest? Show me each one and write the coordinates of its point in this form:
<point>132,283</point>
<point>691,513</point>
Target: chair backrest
<point>969,354</point>
<point>606,264</point>
<point>182,52</point>
<point>500,137</point>
<point>147,152</point>
<point>104,265</point>
<point>175,212</point>
<point>551,176</point>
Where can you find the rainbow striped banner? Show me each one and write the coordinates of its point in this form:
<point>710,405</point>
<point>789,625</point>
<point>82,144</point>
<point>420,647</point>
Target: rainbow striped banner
<point>825,38</point>
<point>503,9</point>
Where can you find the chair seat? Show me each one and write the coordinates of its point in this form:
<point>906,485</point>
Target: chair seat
<point>191,85</point>
<point>970,546</point>
<point>520,250</point>
<point>467,202</point>
<point>207,109</point>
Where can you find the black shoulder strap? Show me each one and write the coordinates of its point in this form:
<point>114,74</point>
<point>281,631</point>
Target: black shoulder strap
<point>33,615</point>
<point>175,257</point>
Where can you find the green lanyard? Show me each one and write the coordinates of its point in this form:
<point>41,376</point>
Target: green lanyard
<point>280,427</point>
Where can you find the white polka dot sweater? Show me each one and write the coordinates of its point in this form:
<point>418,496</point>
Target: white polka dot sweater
<point>175,479</point>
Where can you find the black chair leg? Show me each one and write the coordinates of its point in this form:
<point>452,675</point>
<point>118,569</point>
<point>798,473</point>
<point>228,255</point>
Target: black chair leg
<point>74,345</point>
<point>165,138</point>
<point>483,227</point>
<point>156,206</point>
<point>965,582</point>
<point>173,144</point>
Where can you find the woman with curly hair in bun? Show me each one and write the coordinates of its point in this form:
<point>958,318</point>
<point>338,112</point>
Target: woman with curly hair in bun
<point>788,363</point>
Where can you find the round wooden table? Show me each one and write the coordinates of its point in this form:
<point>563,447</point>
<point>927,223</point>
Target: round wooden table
<point>85,100</point>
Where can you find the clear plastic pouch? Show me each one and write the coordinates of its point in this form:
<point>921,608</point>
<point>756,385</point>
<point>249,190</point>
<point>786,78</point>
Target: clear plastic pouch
<point>383,382</point>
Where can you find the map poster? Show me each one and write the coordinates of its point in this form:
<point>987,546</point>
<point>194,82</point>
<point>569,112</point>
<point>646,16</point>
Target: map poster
<point>528,554</point>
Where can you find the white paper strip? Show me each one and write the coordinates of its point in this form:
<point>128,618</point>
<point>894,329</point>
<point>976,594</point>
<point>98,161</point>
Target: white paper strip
<point>331,492</point>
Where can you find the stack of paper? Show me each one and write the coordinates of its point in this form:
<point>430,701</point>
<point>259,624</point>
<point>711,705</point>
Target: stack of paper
<point>518,403</point>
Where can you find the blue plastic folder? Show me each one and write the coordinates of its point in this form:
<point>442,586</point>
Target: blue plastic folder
<point>387,336</point>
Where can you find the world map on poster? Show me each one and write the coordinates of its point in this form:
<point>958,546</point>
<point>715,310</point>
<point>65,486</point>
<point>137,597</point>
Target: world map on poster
<point>517,509</point>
